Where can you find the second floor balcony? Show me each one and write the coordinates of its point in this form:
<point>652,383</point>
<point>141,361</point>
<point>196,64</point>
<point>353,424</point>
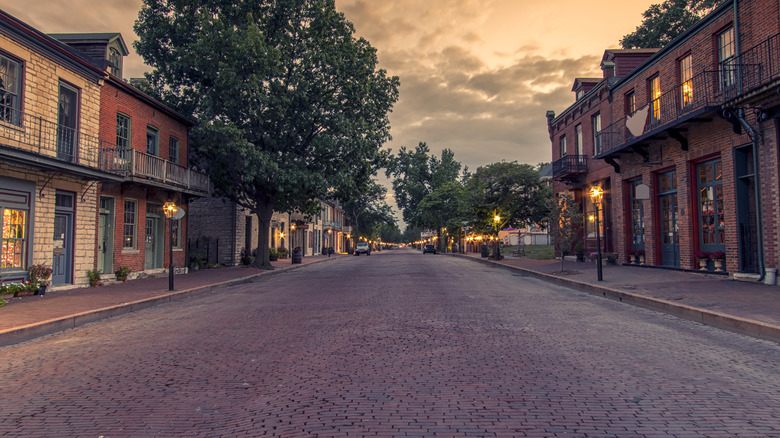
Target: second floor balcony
<point>41,143</point>
<point>331,225</point>
<point>569,167</point>
<point>703,96</point>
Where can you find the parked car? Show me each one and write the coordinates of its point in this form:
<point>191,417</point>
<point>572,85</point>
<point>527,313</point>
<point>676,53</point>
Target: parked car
<point>429,247</point>
<point>362,248</point>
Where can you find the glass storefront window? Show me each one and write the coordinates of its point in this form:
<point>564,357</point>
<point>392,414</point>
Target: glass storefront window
<point>14,239</point>
<point>711,208</point>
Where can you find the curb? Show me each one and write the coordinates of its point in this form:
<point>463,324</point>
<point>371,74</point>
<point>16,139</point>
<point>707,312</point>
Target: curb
<point>745,326</point>
<point>31,331</point>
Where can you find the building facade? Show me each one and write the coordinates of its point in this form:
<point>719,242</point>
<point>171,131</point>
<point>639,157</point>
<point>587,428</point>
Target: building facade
<point>51,159</point>
<point>688,147</point>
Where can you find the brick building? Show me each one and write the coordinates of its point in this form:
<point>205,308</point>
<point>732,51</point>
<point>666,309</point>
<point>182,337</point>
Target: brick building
<point>50,155</point>
<point>685,145</point>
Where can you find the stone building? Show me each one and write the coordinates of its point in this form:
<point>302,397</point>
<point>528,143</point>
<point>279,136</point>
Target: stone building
<point>690,138</point>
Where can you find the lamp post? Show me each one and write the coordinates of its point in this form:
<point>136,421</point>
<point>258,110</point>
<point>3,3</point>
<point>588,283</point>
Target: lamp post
<point>496,222</point>
<point>596,193</point>
<point>170,209</point>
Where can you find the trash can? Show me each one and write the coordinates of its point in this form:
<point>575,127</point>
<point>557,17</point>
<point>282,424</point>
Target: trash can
<point>485,251</point>
<point>297,255</point>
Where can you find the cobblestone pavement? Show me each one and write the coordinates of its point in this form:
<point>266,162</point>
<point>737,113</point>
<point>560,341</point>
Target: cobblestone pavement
<point>397,344</point>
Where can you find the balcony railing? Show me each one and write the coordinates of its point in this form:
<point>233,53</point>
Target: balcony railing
<point>37,135</point>
<point>570,165</point>
<point>140,164</point>
<point>707,91</point>
<point>332,225</point>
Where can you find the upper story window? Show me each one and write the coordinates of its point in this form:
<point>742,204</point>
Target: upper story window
<point>655,97</point>
<point>152,140</point>
<point>596,134</point>
<point>173,150</point>
<point>579,94</point>
<point>686,81</point>
<point>727,58</point>
<point>630,103</point>
<point>10,86</point>
<point>563,146</point>
<point>122,131</point>
<point>578,139</point>
<point>115,62</point>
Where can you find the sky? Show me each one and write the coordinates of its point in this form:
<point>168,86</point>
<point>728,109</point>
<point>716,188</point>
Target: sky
<point>477,76</point>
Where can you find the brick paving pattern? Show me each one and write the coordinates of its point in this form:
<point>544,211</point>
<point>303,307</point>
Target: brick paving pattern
<point>399,344</point>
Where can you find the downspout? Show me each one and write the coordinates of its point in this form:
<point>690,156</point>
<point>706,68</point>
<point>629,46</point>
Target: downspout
<point>736,43</point>
<point>757,192</point>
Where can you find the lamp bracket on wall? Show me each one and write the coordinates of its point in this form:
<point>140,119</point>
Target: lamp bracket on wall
<point>87,189</point>
<point>40,192</point>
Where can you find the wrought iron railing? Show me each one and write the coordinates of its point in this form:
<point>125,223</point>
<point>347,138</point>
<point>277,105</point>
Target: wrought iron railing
<point>332,225</point>
<point>35,134</point>
<point>757,67</point>
<point>151,166</point>
<point>570,164</point>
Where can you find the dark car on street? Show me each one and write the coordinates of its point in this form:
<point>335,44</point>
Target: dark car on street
<point>429,248</point>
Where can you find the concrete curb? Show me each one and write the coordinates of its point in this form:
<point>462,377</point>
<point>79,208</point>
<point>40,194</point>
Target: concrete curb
<point>745,326</point>
<point>31,331</point>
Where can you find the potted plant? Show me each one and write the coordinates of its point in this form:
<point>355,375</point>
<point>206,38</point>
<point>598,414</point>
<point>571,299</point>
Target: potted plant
<point>40,275</point>
<point>94,277</point>
<point>273,254</point>
<point>639,256</point>
<point>122,273</point>
<point>282,252</point>
<point>702,257</point>
<point>719,258</point>
<point>630,255</point>
<point>579,249</point>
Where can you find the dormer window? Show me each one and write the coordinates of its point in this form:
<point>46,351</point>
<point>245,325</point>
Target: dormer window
<point>114,62</point>
<point>580,93</point>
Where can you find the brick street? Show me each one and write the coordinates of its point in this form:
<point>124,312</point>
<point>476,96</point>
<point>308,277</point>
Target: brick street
<point>395,344</point>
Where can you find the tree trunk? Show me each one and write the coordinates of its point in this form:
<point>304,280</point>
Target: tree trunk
<point>264,214</point>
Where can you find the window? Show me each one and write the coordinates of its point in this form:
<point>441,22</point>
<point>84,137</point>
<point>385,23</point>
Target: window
<point>686,82</point>
<point>10,85</point>
<point>115,62</point>
<point>173,150</point>
<point>726,58</point>
<point>579,94</point>
<point>630,103</point>
<point>13,241</point>
<point>123,136</point>
<point>637,217</point>
<point>596,134</point>
<point>713,225</point>
<point>578,139</point>
<point>176,233</point>
<point>655,98</point>
<point>152,140</point>
<point>131,212</point>
<point>563,146</point>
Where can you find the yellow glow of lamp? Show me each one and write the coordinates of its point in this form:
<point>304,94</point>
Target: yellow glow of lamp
<point>596,193</point>
<point>281,235</point>
<point>170,209</point>
<point>497,218</point>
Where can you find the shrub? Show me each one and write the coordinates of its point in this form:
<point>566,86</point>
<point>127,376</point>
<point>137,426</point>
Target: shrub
<point>40,274</point>
<point>718,255</point>
<point>701,254</point>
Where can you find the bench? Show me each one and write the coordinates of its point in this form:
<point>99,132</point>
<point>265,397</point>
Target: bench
<point>520,251</point>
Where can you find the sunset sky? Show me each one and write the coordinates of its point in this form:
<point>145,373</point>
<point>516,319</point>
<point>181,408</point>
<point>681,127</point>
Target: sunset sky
<point>477,76</point>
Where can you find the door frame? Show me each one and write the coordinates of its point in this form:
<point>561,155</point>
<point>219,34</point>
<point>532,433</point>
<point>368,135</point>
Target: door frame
<point>106,248</point>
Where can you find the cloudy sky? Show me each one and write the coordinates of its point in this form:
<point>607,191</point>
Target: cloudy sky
<point>477,76</point>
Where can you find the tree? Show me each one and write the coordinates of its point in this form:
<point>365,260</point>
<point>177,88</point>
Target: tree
<point>444,207</point>
<point>367,212</point>
<point>290,104</point>
<point>416,174</point>
<point>565,220</point>
<point>513,192</point>
<point>665,21</point>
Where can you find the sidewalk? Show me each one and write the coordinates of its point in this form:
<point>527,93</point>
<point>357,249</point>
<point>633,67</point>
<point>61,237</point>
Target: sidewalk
<point>744,307</point>
<point>740,306</point>
<point>29,317</point>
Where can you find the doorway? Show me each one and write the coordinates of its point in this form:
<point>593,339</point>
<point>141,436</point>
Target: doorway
<point>67,122</point>
<point>154,240</point>
<point>62,252</point>
<point>106,235</point>
<point>669,227</point>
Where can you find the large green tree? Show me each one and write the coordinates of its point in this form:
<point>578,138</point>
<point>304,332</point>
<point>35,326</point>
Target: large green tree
<point>417,173</point>
<point>515,193</point>
<point>444,207</point>
<point>663,22</point>
<point>291,105</point>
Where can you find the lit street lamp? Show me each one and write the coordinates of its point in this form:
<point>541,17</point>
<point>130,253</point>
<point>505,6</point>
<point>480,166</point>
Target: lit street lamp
<point>596,193</point>
<point>170,209</point>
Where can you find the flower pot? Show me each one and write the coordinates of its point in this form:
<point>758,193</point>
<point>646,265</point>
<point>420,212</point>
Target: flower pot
<point>703,264</point>
<point>41,290</point>
<point>94,283</point>
<point>121,278</point>
<point>720,265</point>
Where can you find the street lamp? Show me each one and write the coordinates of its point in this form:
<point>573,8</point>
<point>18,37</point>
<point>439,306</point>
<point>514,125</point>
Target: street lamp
<point>596,193</point>
<point>170,209</point>
<point>496,221</point>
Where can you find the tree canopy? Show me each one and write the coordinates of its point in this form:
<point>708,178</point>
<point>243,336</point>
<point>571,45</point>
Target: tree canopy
<point>663,22</point>
<point>292,107</point>
<point>417,173</point>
